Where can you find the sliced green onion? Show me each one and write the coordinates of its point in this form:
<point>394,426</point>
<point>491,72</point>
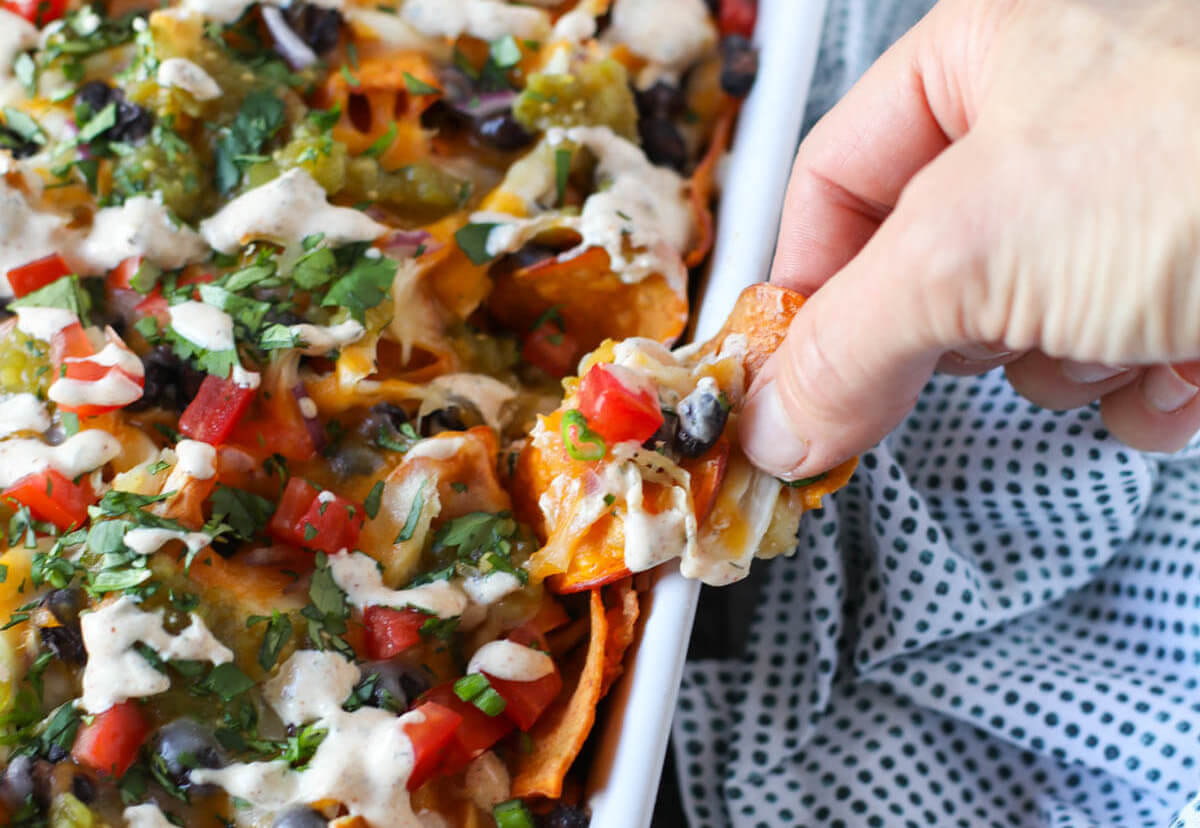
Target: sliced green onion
<point>490,702</point>
<point>582,443</point>
<point>512,814</point>
<point>468,687</point>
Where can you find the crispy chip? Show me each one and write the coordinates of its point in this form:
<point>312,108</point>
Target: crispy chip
<point>560,733</point>
<point>762,315</point>
<point>622,616</point>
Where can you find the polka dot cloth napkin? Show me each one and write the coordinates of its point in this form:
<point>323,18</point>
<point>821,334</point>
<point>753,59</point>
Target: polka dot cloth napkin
<point>996,624</point>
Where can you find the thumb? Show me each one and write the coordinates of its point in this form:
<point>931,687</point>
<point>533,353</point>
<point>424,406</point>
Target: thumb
<point>861,348</point>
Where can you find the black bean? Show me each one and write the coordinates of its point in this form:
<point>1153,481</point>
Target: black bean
<point>83,788</point>
<point>299,816</point>
<point>388,415</point>
<point>318,27</point>
<point>503,132</point>
<point>533,253</point>
<point>663,440</point>
<point>662,142</point>
<point>282,317</point>
<point>133,123</point>
<point>225,546</point>
<point>739,65</point>
<point>351,459</point>
<point>15,144</point>
<point>447,418</point>
<point>65,642</point>
<point>96,94</point>
<point>171,383</point>
<point>702,417</point>
<point>183,745</point>
<point>663,100</point>
<point>565,816</point>
<point>5,313</point>
<point>401,681</point>
<point>64,604</point>
<point>18,784</point>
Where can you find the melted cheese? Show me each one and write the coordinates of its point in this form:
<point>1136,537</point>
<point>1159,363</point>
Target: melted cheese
<point>359,577</point>
<point>490,396</point>
<point>487,781</point>
<point>196,459</point>
<point>286,210</point>
<point>484,19</point>
<point>23,412</point>
<point>182,74</point>
<point>116,671</point>
<point>363,762</point>
<point>203,325</point>
<point>511,661</point>
<point>139,227</point>
<point>78,454</point>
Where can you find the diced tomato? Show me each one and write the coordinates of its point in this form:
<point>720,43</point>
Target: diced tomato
<point>276,426</point>
<point>617,406</point>
<point>121,276</point>
<point>737,17</point>
<point>477,733</point>
<point>316,520</point>
<point>30,277</point>
<point>81,367</point>
<point>214,413</point>
<point>430,738</point>
<point>52,497</point>
<point>72,341</point>
<point>37,12</point>
<point>110,743</point>
<point>391,632</point>
<point>525,701</point>
<point>550,348</point>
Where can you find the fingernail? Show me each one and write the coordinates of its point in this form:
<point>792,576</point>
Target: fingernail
<point>980,353</point>
<point>1086,373</point>
<point>1166,391</point>
<point>770,439</point>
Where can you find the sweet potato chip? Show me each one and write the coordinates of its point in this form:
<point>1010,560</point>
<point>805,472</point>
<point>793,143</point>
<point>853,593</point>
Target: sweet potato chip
<point>593,301</point>
<point>560,733</point>
<point>762,315</point>
<point>622,615</point>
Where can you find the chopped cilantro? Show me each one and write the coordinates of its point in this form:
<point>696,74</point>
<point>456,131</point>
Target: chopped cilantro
<point>67,293</point>
<point>259,118</point>
<point>472,239</point>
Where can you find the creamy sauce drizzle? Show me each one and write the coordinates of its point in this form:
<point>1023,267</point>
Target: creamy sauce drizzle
<point>202,324</point>
<point>43,323</point>
<point>670,34</point>
<point>511,661</point>
<point>116,671</point>
<point>146,815</point>
<point>286,210</point>
<point>182,74</point>
<point>196,459</point>
<point>113,389</point>
<point>145,541</point>
<point>363,762</point>
<point>139,227</point>
<point>316,340</point>
<point>484,19</point>
<point>359,577</point>
<point>23,412</point>
<point>76,455</point>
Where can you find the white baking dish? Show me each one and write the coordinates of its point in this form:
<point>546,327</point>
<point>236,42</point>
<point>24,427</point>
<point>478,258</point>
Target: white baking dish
<point>633,734</point>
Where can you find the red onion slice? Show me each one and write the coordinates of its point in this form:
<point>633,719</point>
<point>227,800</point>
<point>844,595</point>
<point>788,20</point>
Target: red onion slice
<point>287,43</point>
<point>404,244</point>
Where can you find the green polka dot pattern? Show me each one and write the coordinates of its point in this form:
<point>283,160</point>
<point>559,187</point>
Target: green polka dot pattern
<point>996,624</point>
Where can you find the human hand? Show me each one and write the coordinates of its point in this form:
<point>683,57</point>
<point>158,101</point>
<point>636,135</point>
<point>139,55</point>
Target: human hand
<point>1013,183</point>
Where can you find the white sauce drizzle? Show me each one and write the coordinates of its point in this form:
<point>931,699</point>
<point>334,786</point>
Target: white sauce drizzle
<point>116,671</point>
<point>308,408</point>
<point>78,454</point>
<point>26,234</point>
<point>363,762</point>
<point>196,459</point>
<point>146,815</point>
<point>670,34</point>
<point>202,324</point>
<point>114,355</point>
<point>484,19</point>
<point>358,576</point>
<point>286,210</point>
<point>490,588</point>
<point>316,340</point>
<point>113,389</point>
<point>511,661</point>
<point>43,323</point>
<point>182,74</point>
<point>23,412</point>
<point>146,541</point>
<point>436,448</point>
<point>139,227</point>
